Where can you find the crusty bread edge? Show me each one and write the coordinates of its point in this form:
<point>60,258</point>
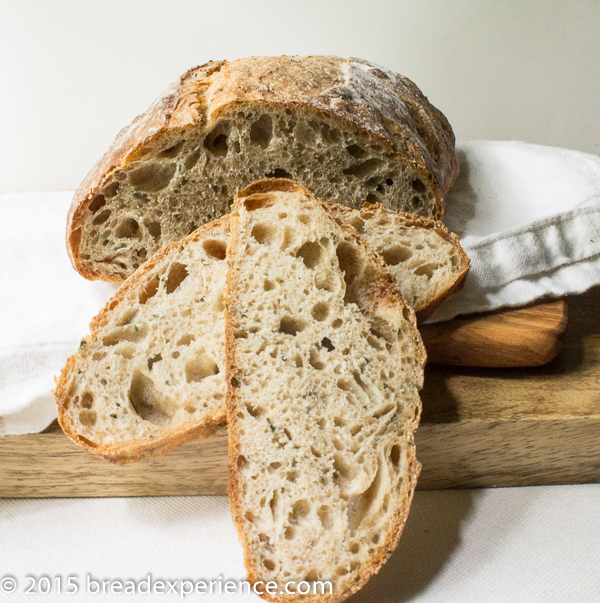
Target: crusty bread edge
<point>234,484</point>
<point>409,220</point>
<point>140,448</point>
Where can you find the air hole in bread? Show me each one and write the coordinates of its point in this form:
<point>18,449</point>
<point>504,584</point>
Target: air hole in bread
<point>172,151</point>
<point>320,311</point>
<point>363,170</point>
<point>384,411</point>
<point>176,275</point>
<point>128,229</point>
<point>372,199</point>
<point>397,254</point>
<point>110,190</point>
<point>360,506</point>
<point>351,264</point>
<point>291,326</point>
<point>264,233</point>
<point>354,548</point>
<point>192,159</point>
<point>289,533</point>
<point>175,355</point>
<point>152,177</point>
<point>427,270</point>
<point>215,249</point>
<point>299,512</point>
<point>242,462</point>
<point>102,217</point>
<point>88,418</point>
<point>325,516</point>
<point>416,202</point>
<point>261,131</point>
<point>273,466</point>
<point>127,317</point>
<point>149,290</point>
<point>132,333</point>
<point>154,230</point>
<point>97,203</point>
<point>185,340</point>
<point>418,186</point>
<point>327,344</point>
<point>279,173</point>
<point>311,576</point>
<point>199,368</point>
<point>356,151</point>
<point>269,564</point>
<point>310,253</point>
<point>126,351</point>
<point>190,409</point>
<point>149,403</point>
<point>87,400</point>
<point>216,141</point>
<point>288,237</point>
<point>255,411</point>
<point>315,361</point>
<point>395,457</point>
<point>357,223</point>
<point>152,361</point>
<point>389,181</point>
<point>268,285</point>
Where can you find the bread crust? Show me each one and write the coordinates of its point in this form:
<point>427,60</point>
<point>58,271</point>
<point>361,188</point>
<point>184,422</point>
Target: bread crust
<point>383,291</point>
<point>142,447</point>
<point>387,106</point>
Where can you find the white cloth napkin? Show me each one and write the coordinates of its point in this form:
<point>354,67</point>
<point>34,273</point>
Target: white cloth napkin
<point>529,218</point>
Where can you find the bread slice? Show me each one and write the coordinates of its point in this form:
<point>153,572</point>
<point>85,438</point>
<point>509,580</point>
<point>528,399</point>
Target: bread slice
<point>151,375</point>
<point>426,259</point>
<point>98,411</point>
<point>348,130</point>
<point>324,364</point>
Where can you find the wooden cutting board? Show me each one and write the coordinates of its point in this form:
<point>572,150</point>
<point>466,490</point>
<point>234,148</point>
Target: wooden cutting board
<point>480,426</point>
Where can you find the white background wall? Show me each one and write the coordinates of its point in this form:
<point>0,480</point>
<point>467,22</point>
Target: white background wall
<point>72,73</point>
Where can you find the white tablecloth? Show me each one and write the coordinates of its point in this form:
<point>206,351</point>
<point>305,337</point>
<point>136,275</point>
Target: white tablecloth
<point>506,545</point>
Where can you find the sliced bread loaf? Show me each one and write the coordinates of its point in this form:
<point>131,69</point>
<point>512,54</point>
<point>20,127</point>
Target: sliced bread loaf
<point>150,376</point>
<point>348,130</point>
<point>324,364</point>
<point>137,387</point>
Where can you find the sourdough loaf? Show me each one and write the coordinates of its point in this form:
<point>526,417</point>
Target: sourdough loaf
<point>324,364</point>
<point>350,131</point>
<point>150,375</point>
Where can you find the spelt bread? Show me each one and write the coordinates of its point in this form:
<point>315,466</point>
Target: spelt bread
<point>144,335</point>
<point>348,130</point>
<point>151,374</point>
<point>324,364</point>
<point>426,260</point>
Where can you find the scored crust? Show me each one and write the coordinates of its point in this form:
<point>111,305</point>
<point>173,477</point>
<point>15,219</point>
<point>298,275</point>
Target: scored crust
<point>382,291</point>
<point>386,106</point>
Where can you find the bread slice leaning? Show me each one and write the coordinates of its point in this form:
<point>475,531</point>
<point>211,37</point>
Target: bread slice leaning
<point>324,365</point>
<point>347,129</point>
<point>426,259</point>
<point>151,375</point>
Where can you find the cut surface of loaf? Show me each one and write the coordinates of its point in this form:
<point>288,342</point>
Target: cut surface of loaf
<point>426,259</point>
<point>324,364</point>
<point>350,131</point>
<point>150,376</point>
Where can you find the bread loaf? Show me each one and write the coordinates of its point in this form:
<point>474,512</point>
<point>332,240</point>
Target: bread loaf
<point>137,387</point>
<point>350,131</point>
<point>324,364</point>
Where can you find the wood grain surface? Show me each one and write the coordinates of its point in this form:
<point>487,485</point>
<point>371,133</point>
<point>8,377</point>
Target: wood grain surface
<point>480,427</point>
<point>530,336</point>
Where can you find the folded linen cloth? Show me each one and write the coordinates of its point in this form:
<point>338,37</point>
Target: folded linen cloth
<point>529,218</point>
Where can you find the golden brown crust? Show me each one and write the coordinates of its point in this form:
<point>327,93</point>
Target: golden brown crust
<point>386,105</point>
<point>383,294</point>
<point>407,220</point>
<point>141,448</point>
